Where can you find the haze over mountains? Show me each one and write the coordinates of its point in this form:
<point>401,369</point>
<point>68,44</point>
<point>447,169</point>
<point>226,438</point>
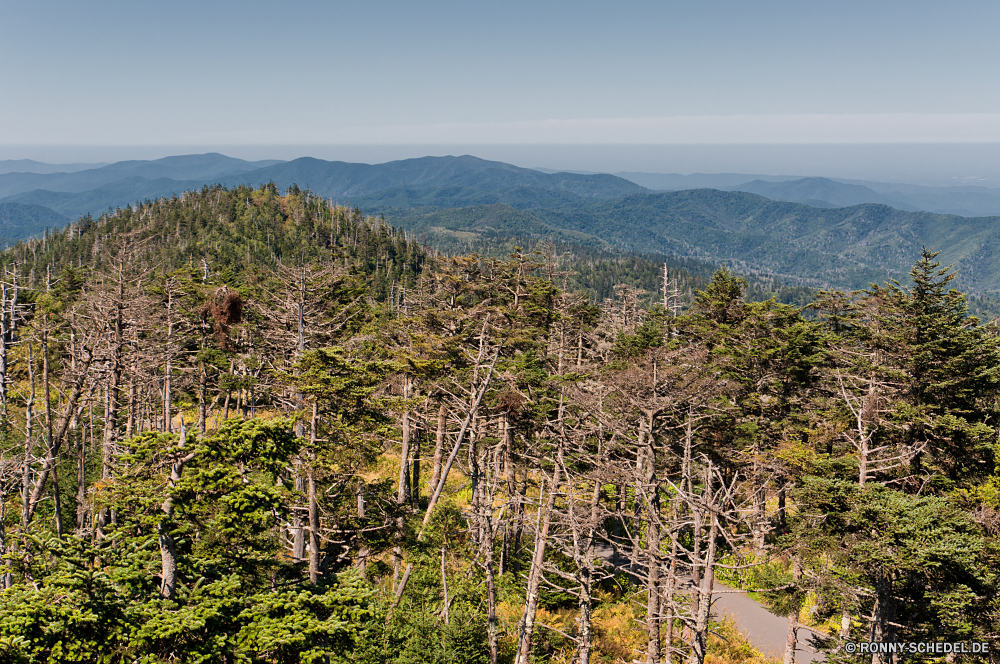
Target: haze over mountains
<point>411,181</point>
<point>814,231</point>
<point>32,166</point>
<point>965,200</point>
<point>181,168</point>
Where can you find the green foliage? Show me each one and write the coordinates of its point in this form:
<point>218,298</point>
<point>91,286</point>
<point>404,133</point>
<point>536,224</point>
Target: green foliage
<point>306,626</point>
<point>651,333</point>
<point>99,602</point>
<point>929,373</point>
<point>722,300</point>
<point>926,557</point>
<point>263,534</point>
<point>423,637</point>
<point>231,234</point>
<point>82,613</point>
<point>841,247</point>
<point>21,220</point>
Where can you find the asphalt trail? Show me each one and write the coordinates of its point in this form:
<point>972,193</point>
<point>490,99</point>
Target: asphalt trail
<point>766,631</point>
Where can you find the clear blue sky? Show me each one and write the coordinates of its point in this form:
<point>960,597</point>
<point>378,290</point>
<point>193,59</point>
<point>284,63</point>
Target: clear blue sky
<point>255,73</point>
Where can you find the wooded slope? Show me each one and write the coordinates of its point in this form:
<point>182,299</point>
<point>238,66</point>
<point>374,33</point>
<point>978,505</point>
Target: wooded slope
<point>249,425</point>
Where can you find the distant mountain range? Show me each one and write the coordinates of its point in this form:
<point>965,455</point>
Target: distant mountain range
<point>202,168</point>
<point>818,247</point>
<point>441,182</point>
<point>437,181</point>
<point>31,166</point>
<point>812,231</point>
<point>838,247</point>
<point>104,197</point>
<point>78,189</point>
<point>970,201</point>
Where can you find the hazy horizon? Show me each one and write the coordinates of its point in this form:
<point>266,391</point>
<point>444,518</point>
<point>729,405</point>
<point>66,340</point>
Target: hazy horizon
<point>392,73</point>
<point>927,164</point>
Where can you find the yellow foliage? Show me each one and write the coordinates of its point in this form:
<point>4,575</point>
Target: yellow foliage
<point>508,614</point>
<point>807,616</point>
<point>618,637</point>
<point>727,645</point>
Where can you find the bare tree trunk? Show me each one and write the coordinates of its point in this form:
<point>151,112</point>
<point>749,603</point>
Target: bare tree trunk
<point>759,503</point>
<point>168,552</point>
<point>513,496</point>
<point>81,483</point>
<point>653,593</point>
<point>442,422</point>
<point>415,481</point>
<point>166,417</point>
<point>48,416</point>
<point>621,505</point>
<point>439,488</point>
<point>313,506</point>
<point>110,428</point>
<point>229,394</point>
<point>130,421</point>
<point>298,529</point>
<point>363,551</point>
<point>57,501</point>
<point>53,458</point>
<point>432,503</point>
<point>863,462</point>
<point>791,641</point>
<point>202,406</point>
<point>491,610</point>
<point>29,421</point>
<point>482,497</point>
<point>168,562</point>
<point>707,583</point>
<point>636,552</point>
<point>114,383</point>
<point>403,492</point>
<point>652,500</point>
<point>587,578</point>
<point>522,492</point>
<point>884,616</point>
<point>69,413</point>
<point>526,626</point>
<point>4,341</point>
<point>668,599</point>
<point>782,524</point>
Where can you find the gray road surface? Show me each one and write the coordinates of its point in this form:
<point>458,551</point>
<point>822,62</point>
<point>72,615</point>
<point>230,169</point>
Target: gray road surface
<point>766,631</point>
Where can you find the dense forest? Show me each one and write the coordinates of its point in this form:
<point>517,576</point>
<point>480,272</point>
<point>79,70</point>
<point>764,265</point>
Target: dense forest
<point>249,425</point>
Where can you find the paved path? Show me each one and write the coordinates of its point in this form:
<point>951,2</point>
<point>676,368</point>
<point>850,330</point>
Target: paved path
<point>766,631</point>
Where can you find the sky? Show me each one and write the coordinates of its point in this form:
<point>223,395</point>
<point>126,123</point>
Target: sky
<point>152,78</point>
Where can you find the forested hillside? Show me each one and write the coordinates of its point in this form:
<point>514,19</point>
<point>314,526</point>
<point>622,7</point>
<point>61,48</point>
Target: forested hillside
<point>464,204</point>
<point>841,247</point>
<point>436,174</point>
<point>18,221</point>
<point>247,425</point>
